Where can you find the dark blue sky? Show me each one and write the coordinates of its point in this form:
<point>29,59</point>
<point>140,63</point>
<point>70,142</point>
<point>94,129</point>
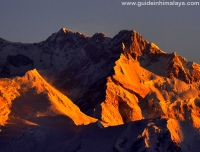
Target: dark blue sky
<point>172,28</point>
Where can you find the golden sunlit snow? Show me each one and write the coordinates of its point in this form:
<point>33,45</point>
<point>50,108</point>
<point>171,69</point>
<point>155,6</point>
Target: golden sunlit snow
<point>31,96</point>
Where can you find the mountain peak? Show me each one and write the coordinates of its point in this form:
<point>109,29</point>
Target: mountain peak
<point>99,34</point>
<point>154,45</point>
<point>64,29</point>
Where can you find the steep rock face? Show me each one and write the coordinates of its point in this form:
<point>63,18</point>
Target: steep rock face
<point>132,42</point>
<point>171,65</point>
<point>134,93</point>
<point>124,89</point>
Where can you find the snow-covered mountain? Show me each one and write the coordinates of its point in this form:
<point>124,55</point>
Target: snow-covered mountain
<point>72,92</point>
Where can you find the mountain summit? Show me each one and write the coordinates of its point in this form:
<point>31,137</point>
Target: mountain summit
<point>72,92</point>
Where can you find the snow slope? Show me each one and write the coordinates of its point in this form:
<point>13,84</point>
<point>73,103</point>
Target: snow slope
<point>28,97</point>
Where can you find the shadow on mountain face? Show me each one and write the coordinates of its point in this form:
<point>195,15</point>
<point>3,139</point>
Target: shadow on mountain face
<point>13,75</point>
<point>16,65</point>
<point>129,137</point>
<point>32,124</point>
<point>38,108</point>
<point>92,98</point>
<point>30,104</point>
<point>84,79</point>
<point>47,131</point>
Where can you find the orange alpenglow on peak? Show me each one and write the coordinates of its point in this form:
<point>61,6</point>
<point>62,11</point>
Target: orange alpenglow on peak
<point>64,30</point>
<point>154,45</point>
<point>30,97</point>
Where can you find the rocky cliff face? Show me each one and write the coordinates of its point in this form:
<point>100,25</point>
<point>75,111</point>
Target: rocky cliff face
<point>124,80</point>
